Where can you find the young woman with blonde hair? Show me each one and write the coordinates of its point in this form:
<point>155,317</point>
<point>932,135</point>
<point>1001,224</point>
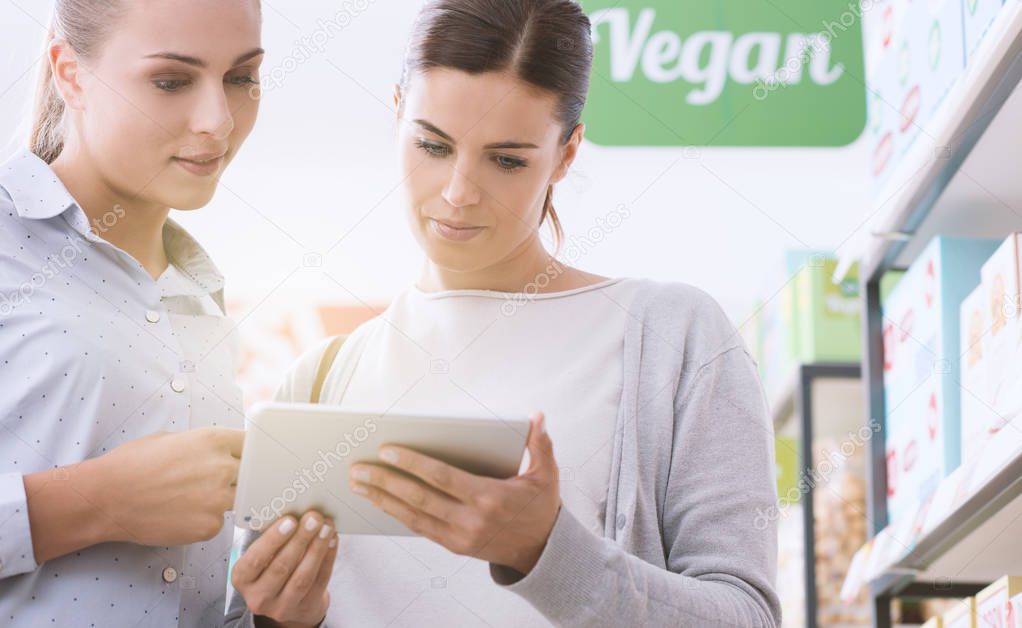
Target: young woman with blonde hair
<point>119,410</point>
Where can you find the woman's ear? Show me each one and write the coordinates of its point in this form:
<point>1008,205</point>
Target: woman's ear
<point>568,152</point>
<point>397,99</point>
<point>66,72</point>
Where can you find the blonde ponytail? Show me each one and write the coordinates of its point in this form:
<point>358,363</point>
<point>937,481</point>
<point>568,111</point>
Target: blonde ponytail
<point>84,24</point>
<point>46,138</point>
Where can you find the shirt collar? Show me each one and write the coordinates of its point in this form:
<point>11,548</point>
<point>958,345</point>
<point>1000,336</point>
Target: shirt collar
<point>191,259</point>
<point>37,193</point>
<point>34,188</point>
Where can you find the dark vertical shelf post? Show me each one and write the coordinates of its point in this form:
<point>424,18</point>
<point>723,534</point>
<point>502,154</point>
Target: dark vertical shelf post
<point>807,374</point>
<point>873,378</point>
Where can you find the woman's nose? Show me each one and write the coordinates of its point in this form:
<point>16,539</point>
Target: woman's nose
<point>461,190</point>
<point>213,115</point>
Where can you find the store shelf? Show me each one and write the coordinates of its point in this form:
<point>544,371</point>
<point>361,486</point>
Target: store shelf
<point>807,395</point>
<point>960,176</point>
<point>975,542</point>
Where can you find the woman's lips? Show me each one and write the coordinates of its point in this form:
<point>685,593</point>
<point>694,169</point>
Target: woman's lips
<point>454,232</point>
<point>202,167</point>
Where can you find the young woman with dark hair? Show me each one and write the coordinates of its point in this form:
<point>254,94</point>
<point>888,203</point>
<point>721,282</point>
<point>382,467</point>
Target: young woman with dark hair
<point>653,454</point>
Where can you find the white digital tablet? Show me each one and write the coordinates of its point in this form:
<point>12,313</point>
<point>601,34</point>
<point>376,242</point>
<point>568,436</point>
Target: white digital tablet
<point>297,456</point>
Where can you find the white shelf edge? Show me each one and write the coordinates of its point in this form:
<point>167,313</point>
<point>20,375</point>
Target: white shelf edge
<point>965,517</point>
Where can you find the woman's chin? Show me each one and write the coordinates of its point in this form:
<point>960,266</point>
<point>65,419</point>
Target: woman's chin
<point>186,200</point>
<point>456,261</point>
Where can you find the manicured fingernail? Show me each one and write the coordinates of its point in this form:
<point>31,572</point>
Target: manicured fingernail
<point>325,532</point>
<point>286,526</point>
<point>311,524</point>
<point>389,455</point>
<point>333,543</point>
<point>359,489</point>
<point>360,473</point>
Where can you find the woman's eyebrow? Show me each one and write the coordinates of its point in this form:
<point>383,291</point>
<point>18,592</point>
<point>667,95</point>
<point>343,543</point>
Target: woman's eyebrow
<point>434,130</point>
<point>199,63</point>
<point>499,145</point>
<point>511,145</point>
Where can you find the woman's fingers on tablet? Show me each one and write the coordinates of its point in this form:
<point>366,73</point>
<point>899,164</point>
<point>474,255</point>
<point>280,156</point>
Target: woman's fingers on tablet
<point>415,520</point>
<point>417,494</point>
<point>437,473</point>
<point>277,573</point>
<point>326,569</point>
<point>306,575</point>
<point>260,554</point>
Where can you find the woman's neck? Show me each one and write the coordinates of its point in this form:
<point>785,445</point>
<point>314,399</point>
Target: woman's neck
<point>530,268</point>
<point>127,222</point>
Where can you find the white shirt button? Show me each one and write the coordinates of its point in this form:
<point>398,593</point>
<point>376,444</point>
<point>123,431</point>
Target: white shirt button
<point>152,316</point>
<point>177,384</point>
<point>169,574</point>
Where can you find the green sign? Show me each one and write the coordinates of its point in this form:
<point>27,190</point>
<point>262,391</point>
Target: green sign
<point>719,73</point>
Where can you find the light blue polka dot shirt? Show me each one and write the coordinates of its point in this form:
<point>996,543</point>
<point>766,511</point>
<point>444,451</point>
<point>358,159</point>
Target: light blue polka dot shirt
<point>95,353</point>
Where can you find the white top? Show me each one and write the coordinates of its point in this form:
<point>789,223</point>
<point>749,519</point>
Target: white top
<point>94,353</point>
<point>486,354</point>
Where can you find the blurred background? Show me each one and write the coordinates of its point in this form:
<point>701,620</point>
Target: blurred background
<point>845,143</point>
<point>310,213</point>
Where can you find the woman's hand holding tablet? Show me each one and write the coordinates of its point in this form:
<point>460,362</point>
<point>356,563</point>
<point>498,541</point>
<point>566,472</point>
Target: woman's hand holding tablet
<point>502,521</point>
<point>283,575</point>
<point>297,457</point>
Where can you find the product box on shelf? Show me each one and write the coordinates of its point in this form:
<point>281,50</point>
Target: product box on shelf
<point>979,421</point>
<point>961,615</point>
<point>993,602</point>
<point>882,36</point>
<point>915,51</point>
<point>921,337</point>
<point>978,15</point>
<point>1002,279</point>
<point>827,316</point>
<point>930,59</point>
<point>1015,612</point>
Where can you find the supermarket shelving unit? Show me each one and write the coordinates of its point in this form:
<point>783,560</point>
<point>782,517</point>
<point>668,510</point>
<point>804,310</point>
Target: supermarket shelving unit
<point>962,179</point>
<point>797,399</point>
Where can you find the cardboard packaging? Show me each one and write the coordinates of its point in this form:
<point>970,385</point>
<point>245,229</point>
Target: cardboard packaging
<point>977,16</point>
<point>979,421</point>
<point>914,54</point>
<point>1015,612</point>
<point>961,615</point>
<point>993,603</point>
<point>1002,279</point>
<point>827,315</point>
<point>922,396</point>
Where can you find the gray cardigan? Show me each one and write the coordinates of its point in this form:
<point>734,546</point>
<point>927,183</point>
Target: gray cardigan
<point>692,470</point>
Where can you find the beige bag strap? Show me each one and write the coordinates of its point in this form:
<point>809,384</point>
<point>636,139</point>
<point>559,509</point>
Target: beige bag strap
<point>325,363</point>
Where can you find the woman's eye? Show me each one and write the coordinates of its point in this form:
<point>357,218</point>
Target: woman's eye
<point>242,80</point>
<point>433,149</point>
<point>170,85</point>
<point>509,164</point>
